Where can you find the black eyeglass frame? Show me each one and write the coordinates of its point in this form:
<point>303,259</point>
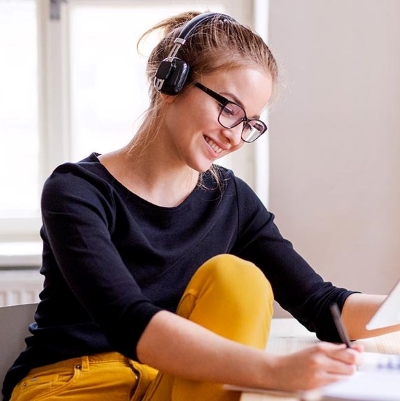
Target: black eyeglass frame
<point>223,101</point>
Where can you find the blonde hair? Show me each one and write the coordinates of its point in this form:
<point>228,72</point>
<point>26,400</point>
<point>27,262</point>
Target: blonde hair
<point>216,44</point>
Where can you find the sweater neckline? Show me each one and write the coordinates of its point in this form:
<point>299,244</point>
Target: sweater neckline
<point>129,194</point>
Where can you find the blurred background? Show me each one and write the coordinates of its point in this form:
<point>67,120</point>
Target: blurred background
<point>335,137</point>
<point>72,82</point>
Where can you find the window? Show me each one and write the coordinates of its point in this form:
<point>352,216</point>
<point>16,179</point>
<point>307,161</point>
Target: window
<point>71,85</point>
<point>19,132</point>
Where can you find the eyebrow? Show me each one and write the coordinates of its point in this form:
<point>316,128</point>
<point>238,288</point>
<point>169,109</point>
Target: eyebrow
<point>223,99</point>
<point>236,100</point>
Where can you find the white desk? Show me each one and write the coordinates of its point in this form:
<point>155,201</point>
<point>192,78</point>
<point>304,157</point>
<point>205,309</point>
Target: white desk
<point>287,335</point>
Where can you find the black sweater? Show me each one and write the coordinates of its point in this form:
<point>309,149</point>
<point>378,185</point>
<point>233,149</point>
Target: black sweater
<point>111,260</point>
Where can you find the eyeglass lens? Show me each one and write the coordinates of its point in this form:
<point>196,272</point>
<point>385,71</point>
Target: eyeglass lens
<point>252,130</point>
<point>232,114</point>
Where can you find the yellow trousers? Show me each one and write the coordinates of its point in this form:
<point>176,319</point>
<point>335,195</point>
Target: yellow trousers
<point>227,295</point>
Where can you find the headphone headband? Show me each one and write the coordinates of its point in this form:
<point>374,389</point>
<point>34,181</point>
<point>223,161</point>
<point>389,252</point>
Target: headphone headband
<point>172,73</point>
<point>190,26</point>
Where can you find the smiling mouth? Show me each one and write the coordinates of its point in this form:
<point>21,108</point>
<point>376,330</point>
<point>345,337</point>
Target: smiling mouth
<point>213,145</point>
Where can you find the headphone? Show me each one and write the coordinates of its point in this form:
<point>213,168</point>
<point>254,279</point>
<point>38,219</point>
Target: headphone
<point>173,72</point>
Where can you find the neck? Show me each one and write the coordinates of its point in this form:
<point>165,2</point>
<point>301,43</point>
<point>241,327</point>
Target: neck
<point>150,174</point>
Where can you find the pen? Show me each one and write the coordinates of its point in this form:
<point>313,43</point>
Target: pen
<point>339,325</point>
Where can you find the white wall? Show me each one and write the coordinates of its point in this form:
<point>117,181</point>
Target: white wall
<point>335,137</point>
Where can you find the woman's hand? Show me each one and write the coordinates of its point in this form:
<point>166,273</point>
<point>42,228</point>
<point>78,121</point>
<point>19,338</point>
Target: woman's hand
<point>316,366</point>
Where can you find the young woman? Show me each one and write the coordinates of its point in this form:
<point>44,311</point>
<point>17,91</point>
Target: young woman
<point>161,267</point>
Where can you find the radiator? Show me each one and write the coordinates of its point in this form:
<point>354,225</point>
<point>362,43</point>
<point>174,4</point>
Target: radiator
<point>20,287</point>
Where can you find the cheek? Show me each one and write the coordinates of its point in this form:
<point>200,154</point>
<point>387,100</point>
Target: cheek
<point>199,106</point>
<point>191,112</point>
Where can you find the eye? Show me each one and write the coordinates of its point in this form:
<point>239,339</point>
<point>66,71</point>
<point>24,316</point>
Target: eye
<point>232,110</point>
<point>250,130</point>
<point>255,125</point>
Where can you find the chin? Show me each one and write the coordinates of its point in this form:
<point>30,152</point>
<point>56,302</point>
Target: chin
<point>201,167</point>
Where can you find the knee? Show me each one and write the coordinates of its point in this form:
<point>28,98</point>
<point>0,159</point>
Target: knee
<point>231,297</point>
<point>236,275</point>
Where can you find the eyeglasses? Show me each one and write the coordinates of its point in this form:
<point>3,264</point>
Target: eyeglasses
<point>231,115</point>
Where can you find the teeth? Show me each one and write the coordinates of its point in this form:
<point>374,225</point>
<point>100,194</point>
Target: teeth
<point>214,146</point>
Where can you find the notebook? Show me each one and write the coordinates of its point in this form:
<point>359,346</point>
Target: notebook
<point>378,379</point>
<point>389,312</point>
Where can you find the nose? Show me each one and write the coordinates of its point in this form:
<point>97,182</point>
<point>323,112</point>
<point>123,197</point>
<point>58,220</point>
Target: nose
<point>233,135</point>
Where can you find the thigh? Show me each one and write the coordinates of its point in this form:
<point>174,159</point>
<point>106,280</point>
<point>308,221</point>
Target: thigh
<point>46,384</point>
<point>169,388</point>
<point>80,381</point>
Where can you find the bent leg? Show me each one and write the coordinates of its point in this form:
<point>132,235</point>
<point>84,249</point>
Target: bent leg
<point>232,298</point>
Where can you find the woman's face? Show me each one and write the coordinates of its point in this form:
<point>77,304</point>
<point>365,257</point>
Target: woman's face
<point>192,133</point>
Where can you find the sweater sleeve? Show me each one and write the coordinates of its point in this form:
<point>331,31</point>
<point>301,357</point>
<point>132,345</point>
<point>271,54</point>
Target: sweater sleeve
<point>296,286</point>
<point>78,211</point>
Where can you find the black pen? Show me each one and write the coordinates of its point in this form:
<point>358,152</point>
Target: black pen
<point>340,326</point>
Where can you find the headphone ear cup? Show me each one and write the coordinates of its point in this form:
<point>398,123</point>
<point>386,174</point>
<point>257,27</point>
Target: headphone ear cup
<point>171,76</point>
